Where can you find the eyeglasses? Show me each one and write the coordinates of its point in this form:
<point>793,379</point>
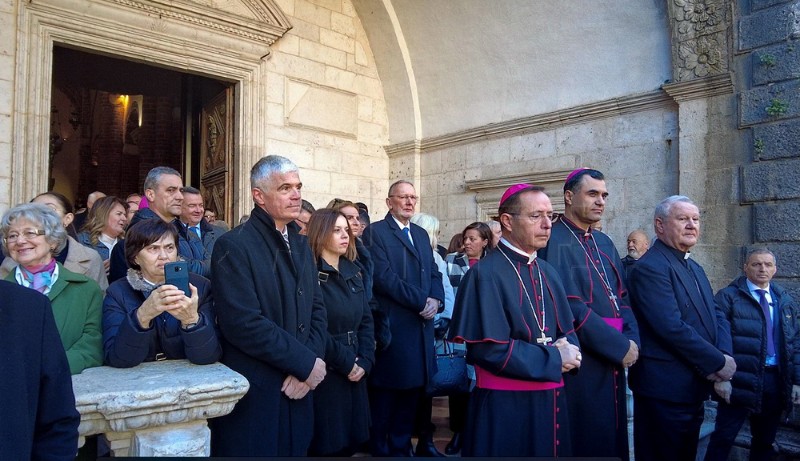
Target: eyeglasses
<point>27,234</point>
<point>536,217</point>
<point>413,198</point>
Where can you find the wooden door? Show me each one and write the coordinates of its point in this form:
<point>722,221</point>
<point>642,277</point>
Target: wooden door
<point>216,155</point>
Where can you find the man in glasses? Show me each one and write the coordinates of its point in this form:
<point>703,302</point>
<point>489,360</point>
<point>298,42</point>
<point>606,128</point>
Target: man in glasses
<point>408,286</point>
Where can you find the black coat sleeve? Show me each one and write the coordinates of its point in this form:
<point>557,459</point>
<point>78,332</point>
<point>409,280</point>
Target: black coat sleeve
<point>125,343</point>
<point>56,432</point>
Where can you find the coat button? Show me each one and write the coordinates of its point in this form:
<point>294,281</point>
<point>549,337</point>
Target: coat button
<point>353,289</point>
<point>301,328</point>
<point>300,292</point>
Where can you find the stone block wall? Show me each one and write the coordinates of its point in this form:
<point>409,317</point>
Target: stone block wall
<point>325,106</point>
<point>770,109</point>
<point>8,48</point>
<point>636,152</point>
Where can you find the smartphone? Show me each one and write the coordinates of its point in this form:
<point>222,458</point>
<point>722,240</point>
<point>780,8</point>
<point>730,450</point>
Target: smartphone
<point>177,274</point>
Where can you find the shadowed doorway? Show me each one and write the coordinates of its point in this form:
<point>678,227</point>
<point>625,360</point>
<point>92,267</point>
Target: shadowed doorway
<point>112,120</point>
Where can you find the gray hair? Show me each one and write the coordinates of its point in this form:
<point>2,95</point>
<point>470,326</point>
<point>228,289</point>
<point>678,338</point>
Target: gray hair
<point>430,224</point>
<point>191,190</point>
<point>39,215</point>
<point>760,251</point>
<point>268,166</point>
<point>662,209</point>
<point>154,176</point>
<point>493,224</point>
<point>397,183</point>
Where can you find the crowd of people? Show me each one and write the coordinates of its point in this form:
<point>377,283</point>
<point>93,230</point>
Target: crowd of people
<point>335,322</point>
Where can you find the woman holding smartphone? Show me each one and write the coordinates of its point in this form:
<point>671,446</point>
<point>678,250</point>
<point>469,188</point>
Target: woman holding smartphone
<point>147,319</point>
<point>341,406</point>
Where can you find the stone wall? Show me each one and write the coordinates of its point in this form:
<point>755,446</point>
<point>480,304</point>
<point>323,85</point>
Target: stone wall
<point>325,107</point>
<point>8,31</point>
<point>634,150</point>
<point>770,110</point>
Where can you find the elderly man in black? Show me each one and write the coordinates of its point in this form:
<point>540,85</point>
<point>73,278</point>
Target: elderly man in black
<point>272,318</point>
<point>686,342</point>
<point>766,346</point>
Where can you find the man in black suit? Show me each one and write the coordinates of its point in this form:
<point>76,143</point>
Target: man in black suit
<point>407,285</point>
<point>38,419</point>
<point>272,318</point>
<point>686,344</point>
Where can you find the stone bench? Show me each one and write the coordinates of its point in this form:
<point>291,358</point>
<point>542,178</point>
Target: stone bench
<point>156,408</point>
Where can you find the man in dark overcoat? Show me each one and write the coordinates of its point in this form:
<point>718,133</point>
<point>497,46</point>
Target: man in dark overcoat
<point>408,286</point>
<point>272,319</point>
<point>686,345</point>
<point>38,419</point>
<point>766,347</point>
<point>592,273</point>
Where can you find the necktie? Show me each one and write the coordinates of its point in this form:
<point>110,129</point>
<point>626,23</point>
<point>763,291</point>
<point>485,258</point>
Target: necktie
<point>762,295</point>
<point>286,240</point>
<point>196,230</point>
<point>407,231</point>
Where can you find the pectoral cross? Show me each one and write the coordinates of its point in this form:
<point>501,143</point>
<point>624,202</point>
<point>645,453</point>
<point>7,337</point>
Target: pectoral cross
<point>546,340</point>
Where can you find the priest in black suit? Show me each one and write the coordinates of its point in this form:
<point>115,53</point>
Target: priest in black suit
<point>686,344</point>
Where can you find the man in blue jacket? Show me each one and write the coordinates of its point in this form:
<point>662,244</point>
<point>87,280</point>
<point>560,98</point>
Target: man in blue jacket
<point>766,346</point>
<point>408,286</point>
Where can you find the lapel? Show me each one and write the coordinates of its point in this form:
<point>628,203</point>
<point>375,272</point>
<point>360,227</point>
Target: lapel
<point>273,238</point>
<point>687,279</point>
<point>400,235</point>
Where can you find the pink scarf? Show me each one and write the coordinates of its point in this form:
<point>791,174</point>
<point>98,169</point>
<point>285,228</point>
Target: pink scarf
<point>39,277</point>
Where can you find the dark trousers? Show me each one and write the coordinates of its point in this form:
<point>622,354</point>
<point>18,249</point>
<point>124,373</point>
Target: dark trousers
<point>763,425</point>
<point>665,431</point>
<point>393,413</point>
<point>458,404</point>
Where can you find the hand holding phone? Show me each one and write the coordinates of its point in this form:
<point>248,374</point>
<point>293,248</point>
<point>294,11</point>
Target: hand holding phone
<point>177,274</point>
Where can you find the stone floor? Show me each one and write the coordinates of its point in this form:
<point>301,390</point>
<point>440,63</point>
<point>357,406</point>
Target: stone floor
<point>441,419</point>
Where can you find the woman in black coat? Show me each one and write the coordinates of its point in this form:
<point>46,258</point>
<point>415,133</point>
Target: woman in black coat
<point>341,405</point>
<point>145,319</point>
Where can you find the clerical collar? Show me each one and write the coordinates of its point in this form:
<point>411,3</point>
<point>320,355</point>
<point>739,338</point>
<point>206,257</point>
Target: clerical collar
<point>683,257</point>
<point>568,222</point>
<point>530,257</point>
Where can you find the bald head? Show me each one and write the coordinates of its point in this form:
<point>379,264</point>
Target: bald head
<point>638,244</point>
<point>93,197</point>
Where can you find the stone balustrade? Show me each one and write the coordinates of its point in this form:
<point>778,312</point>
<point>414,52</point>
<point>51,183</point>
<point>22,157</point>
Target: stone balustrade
<point>156,408</point>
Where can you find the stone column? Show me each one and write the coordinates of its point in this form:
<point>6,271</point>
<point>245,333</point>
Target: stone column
<point>156,408</point>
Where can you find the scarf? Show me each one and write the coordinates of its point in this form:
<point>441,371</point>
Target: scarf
<point>39,277</point>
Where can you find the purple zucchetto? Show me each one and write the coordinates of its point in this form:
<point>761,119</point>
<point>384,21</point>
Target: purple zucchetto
<point>513,190</point>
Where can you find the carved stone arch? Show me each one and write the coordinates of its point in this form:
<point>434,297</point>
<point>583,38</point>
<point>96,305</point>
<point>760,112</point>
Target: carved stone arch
<point>193,36</point>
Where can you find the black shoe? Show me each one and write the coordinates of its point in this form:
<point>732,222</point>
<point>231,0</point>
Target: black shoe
<point>426,448</point>
<point>454,446</point>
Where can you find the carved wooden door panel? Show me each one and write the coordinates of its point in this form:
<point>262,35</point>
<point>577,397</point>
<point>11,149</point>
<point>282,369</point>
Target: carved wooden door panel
<point>216,155</point>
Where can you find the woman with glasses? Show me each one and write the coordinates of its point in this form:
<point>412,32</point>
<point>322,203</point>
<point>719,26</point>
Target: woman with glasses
<point>146,319</point>
<point>341,405</point>
<point>32,235</point>
<point>71,254</point>
<point>105,226</point>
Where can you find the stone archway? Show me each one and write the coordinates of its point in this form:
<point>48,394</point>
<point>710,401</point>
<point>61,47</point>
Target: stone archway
<point>179,34</point>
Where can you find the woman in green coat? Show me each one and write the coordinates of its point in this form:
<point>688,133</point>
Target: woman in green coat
<point>31,234</point>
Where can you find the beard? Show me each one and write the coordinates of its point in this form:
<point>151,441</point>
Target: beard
<point>633,253</point>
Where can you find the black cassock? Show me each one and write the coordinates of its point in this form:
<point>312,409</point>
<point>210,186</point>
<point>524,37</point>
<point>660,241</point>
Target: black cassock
<point>518,407</point>
<point>596,397</point>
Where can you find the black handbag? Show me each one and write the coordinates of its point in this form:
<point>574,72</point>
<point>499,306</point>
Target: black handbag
<point>451,377</point>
